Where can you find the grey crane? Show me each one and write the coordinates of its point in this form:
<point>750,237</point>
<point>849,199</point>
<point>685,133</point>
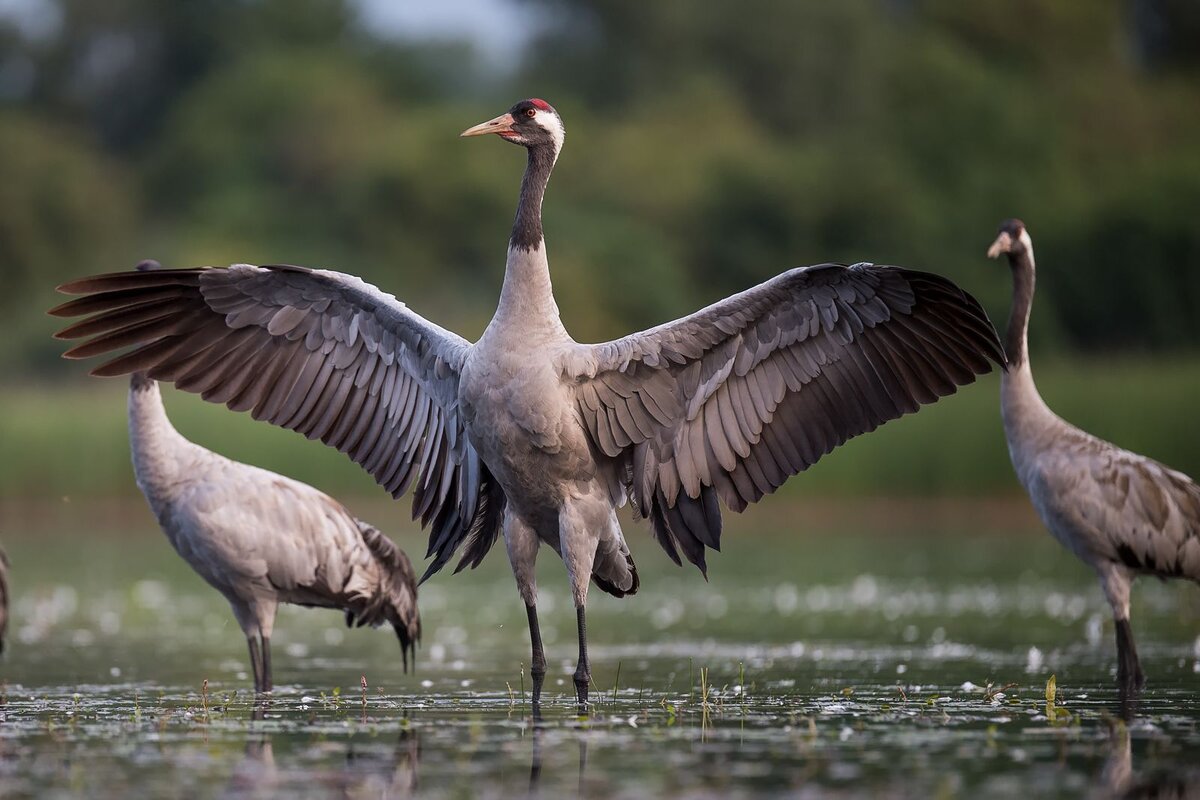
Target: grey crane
<point>1121,513</point>
<point>261,539</point>
<point>530,432</point>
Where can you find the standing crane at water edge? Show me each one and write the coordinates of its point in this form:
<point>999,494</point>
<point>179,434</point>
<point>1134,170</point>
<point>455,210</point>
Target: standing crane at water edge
<point>530,432</point>
<point>261,539</point>
<point>1121,513</point>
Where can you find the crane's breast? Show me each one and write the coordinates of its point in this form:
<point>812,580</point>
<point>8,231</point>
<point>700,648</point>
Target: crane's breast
<point>521,419</point>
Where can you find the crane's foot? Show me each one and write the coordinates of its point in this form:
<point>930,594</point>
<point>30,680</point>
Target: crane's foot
<point>538,673</point>
<point>582,681</point>
<point>1130,684</point>
<point>256,662</point>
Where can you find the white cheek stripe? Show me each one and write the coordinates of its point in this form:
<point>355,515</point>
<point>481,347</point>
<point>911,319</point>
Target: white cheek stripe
<point>1025,240</point>
<point>553,124</point>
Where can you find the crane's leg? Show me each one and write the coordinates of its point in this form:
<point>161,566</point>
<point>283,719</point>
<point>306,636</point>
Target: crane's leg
<point>579,524</point>
<point>537,663</point>
<point>521,541</point>
<point>583,671</point>
<point>1116,581</point>
<point>266,664</point>
<point>255,660</point>
<point>248,619</point>
<point>266,619</point>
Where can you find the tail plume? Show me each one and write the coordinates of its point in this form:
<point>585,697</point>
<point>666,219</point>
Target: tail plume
<point>396,599</point>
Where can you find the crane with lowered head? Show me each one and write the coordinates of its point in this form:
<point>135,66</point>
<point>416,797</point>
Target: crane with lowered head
<point>261,539</point>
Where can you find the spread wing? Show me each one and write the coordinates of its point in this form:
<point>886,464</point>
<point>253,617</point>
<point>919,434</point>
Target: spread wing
<point>731,401</point>
<point>314,351</point>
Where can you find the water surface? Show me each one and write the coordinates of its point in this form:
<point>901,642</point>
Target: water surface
<point>897,660</point>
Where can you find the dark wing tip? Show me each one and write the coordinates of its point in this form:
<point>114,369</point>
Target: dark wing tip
<point>971,316</point>
<point>92,283</point>
<point>130,279</point>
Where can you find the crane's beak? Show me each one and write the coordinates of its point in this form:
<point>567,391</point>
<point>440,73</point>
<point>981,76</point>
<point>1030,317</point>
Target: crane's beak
<point>1003,244</point>
<point>501,124</point>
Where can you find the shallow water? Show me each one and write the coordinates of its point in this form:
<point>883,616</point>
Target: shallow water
<point>846,660</point>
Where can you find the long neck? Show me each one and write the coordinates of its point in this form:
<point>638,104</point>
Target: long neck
<point>527,227</point>
<point>1022,407</point>
<point>157,447</point>
<point>1017,343</point>
<point>527,297</point>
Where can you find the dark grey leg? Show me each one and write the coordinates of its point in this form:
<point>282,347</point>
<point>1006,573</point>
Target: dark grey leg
<point>583,672</point>
<point>266,656</point>
<point>255,661</point>
<point>537,666</point>
<point>1130,678</point>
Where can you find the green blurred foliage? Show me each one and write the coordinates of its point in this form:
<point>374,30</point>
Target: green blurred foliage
<point>75,443</point>
<point>710,146</point>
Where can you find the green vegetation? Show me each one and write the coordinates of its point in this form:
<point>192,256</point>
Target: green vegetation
<point>710,148</point>
<point>70,439</point>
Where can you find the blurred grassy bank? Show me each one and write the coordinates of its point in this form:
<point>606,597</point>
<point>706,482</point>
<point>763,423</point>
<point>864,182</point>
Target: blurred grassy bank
<point>69,439</point>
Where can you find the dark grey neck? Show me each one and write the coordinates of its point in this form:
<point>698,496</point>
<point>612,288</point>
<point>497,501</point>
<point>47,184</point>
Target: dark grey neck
<point>1018,319</point>
<point>527,228</point>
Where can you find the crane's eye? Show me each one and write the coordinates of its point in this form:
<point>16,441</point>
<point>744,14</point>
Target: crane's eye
<point>531,112</point>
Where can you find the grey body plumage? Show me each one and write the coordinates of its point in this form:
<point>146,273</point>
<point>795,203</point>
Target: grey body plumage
<point>262,539</point>
<point>530,433</point>
<point>1121,513</point>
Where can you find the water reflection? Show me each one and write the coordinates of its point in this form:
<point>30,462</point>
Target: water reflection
<point>845,683</point>
<point>539,730</point>
<point>1119,780</point>
<point>363,773</point>
<point>535,766</point>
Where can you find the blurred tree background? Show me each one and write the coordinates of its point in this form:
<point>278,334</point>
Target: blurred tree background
<point>710,146</point>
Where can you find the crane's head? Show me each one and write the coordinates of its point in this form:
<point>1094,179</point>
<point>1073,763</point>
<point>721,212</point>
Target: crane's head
<point>1013,239</point>
<point>531,123</point>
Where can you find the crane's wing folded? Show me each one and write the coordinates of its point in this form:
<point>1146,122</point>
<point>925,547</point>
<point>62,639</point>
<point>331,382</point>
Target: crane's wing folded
<point>731,401</point>
<point>1136,511</point>
<point>318,352</point>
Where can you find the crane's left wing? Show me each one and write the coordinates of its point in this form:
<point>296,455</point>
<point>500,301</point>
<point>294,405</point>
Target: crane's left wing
<point>315,351</point>
<point>729,402</point>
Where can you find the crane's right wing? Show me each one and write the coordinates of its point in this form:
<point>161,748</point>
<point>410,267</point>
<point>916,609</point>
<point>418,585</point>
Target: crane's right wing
<point>314,351</point>
<point>727,403</point>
